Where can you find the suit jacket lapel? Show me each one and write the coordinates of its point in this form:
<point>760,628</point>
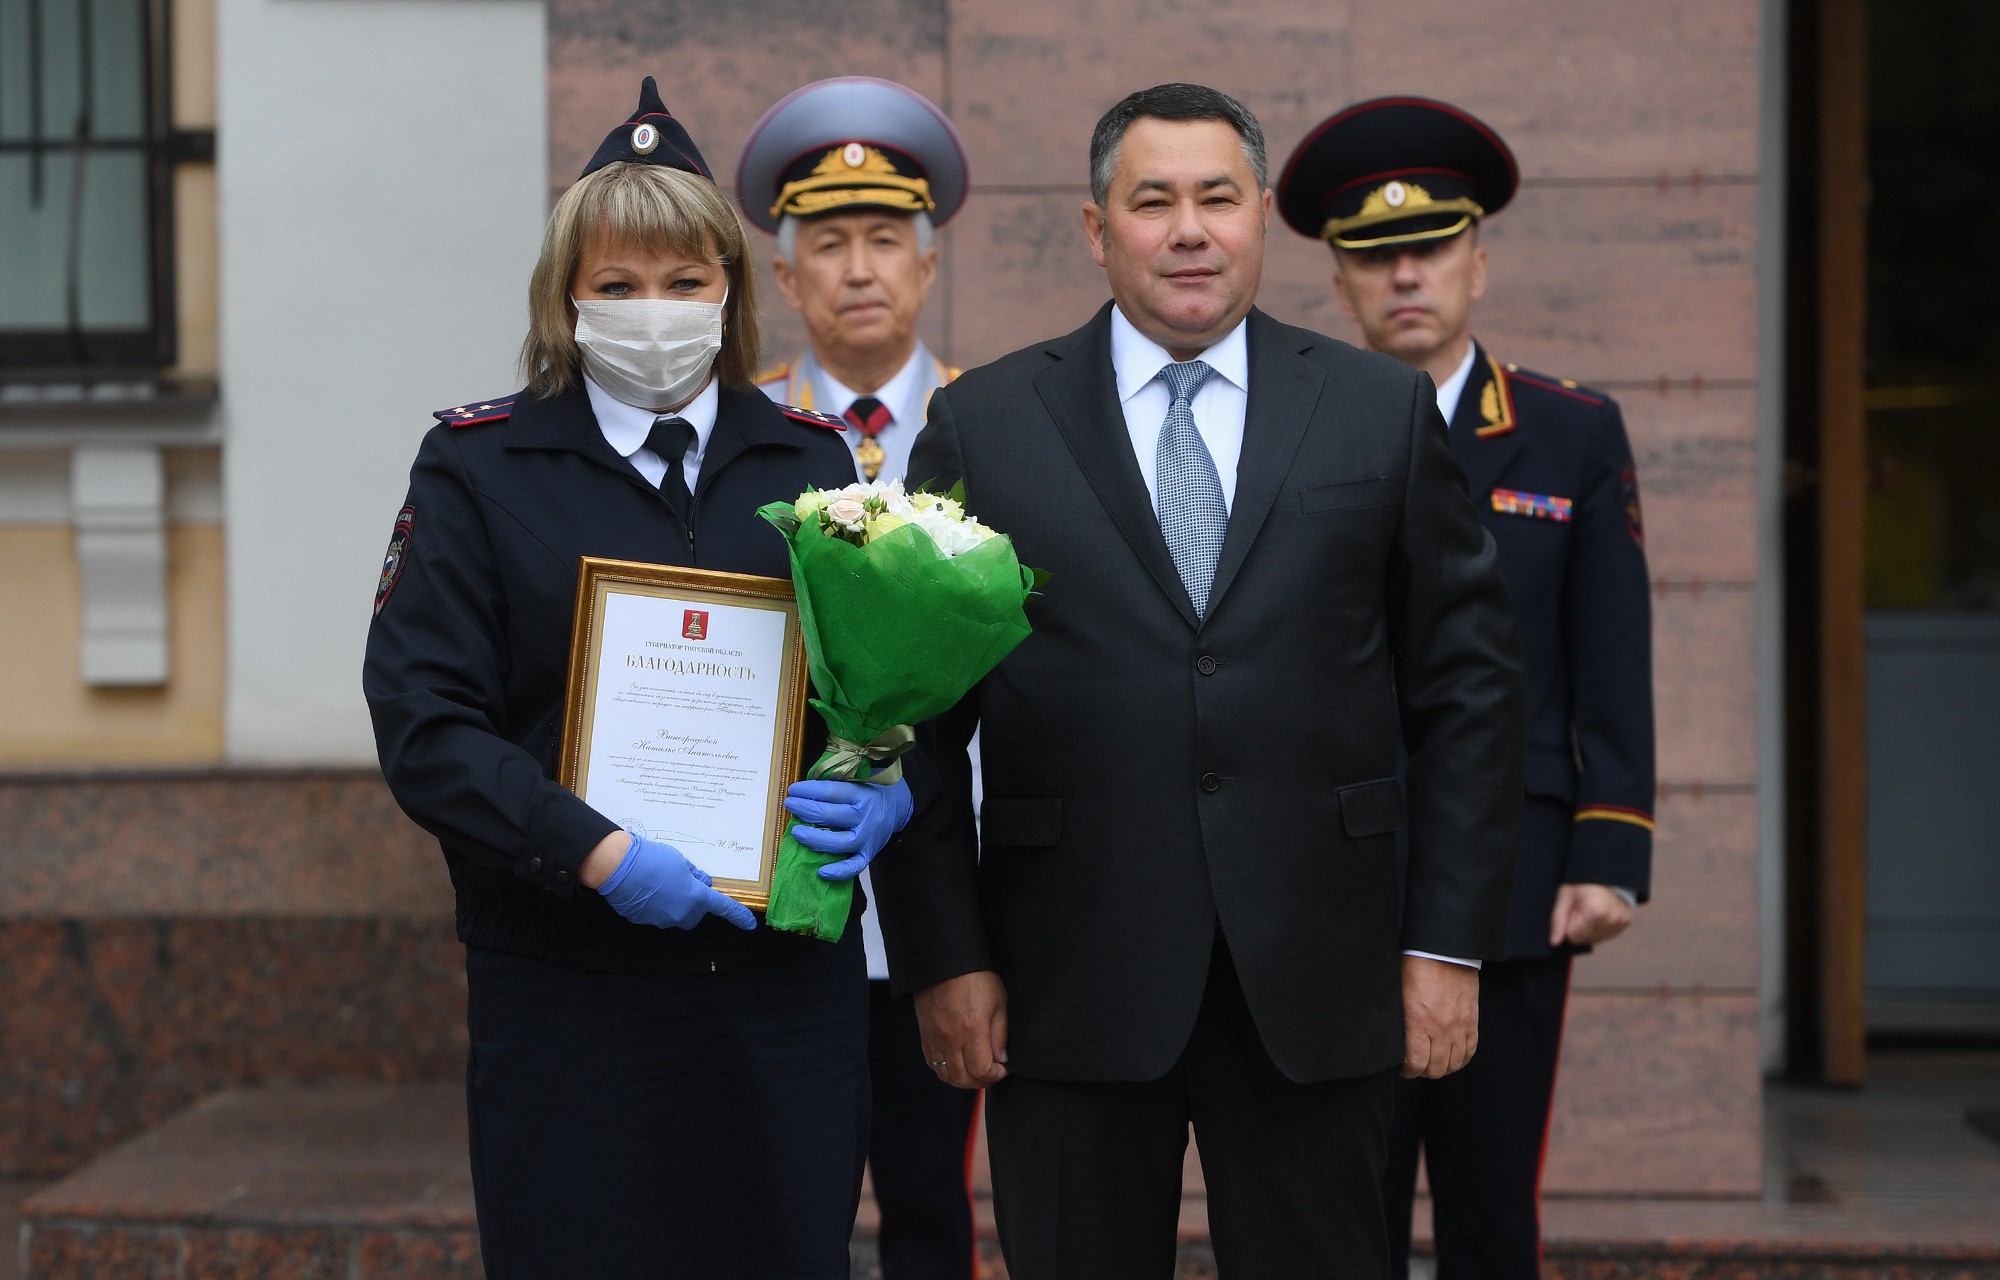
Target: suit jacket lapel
<point>1080,391</point>
<point>1284,391</point>
<point>1483,430</point>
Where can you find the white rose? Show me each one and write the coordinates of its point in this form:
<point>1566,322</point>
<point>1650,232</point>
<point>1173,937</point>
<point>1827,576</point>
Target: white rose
<point>951,536</point>
<point>847,512</point>
<point>897,503</point>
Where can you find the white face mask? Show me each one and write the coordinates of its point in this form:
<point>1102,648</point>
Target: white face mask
<point>650,353</point>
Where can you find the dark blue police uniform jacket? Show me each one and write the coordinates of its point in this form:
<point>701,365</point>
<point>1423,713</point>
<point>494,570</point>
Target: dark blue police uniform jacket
<point>468,652</point>
<point>1549,469</point>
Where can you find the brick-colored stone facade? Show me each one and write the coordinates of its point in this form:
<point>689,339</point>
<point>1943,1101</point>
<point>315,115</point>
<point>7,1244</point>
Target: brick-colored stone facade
<point>165,936</point>
<point>1628,262</point>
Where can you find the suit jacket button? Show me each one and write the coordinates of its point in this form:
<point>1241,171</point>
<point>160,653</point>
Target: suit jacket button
<point>1205,665</point>
<point>1211,782</point>
<point>534,864</point>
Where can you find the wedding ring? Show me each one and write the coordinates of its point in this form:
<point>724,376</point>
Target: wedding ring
<point>941,1063</point>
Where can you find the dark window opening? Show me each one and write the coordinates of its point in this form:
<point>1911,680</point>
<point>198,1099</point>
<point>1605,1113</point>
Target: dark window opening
<point>86,173</point>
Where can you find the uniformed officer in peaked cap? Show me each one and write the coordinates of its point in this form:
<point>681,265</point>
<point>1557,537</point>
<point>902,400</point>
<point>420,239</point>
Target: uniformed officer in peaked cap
<point>1399,188</point>
<point>659,1086</point>
<point>854,175</point>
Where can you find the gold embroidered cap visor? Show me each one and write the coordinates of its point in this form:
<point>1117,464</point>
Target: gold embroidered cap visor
<point>1394,171</point>
<point>850,175</point>
<point>1414,215</point>
<point>847,143</point>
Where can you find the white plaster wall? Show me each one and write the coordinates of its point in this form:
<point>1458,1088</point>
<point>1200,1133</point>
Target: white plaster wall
<point>382,169</point>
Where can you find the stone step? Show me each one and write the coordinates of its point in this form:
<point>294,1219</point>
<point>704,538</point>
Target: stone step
<point>365,1181</point>
<point>343,1181</point>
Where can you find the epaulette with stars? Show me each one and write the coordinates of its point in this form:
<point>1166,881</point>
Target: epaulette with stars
<point>477,412</point>
<point>813,418</point>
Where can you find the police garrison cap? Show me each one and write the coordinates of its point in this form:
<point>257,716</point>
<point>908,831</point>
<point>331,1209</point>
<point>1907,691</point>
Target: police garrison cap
<point>651,136</point>
<point>853,142</point>
<point>1394,171</point>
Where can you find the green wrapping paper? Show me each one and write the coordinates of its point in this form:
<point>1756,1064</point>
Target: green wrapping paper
<point>895,632</point>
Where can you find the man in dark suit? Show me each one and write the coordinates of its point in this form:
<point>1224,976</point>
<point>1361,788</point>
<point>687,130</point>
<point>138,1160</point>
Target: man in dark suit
<point>1398,188</point>
<point>1185,907</point>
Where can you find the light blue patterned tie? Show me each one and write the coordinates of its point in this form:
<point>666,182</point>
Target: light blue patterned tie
<point>1192,513</point>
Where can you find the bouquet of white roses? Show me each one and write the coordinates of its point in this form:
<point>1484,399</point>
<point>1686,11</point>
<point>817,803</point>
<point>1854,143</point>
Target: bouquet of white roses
<point>861,513</point>
<point>905,602</point>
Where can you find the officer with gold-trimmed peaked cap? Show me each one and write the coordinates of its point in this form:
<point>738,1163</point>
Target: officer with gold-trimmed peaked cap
<point>851,142</point>
<point>1395,171</point>
<point>854,175</point>
<point>1398,187</point>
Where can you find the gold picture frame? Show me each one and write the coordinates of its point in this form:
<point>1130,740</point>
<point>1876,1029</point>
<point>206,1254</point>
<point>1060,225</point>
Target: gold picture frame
<point>684,712</point>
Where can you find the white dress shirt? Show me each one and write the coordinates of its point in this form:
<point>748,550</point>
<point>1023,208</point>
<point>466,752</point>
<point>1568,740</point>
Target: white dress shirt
<point>626,427</point>
<point>1218,409</point>
<point>906,396</point>
<point>1453,387</point>
<point>1218,406</point>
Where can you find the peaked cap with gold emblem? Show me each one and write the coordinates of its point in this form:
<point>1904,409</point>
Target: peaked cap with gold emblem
<point>651,136</point>
<point>1395,170</point>
<point>853,142</point>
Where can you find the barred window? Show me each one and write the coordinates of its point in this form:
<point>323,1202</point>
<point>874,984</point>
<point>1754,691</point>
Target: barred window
<point>86,167</point>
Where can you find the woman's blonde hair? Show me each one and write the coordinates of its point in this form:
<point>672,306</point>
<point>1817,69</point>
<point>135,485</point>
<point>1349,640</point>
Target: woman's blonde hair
<point>659,209</point>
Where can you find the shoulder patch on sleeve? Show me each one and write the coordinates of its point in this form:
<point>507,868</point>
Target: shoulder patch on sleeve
<point>1561,386</point>
<point>398,555</point>
<point>477,412</point>
<point>812,418</point>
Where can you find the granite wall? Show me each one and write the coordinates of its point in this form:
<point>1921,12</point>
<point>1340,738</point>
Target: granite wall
<point>165,935</point>
<point>1628,262</point>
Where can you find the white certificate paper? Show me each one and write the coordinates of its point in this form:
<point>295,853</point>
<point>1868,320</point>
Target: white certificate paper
<point>690,733</point>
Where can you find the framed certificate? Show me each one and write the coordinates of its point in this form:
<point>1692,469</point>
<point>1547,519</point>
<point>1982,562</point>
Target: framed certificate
<point>685,712</point>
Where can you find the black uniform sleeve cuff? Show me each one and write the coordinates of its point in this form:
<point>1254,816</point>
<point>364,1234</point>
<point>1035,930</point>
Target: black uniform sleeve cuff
<point>564,833</point>
<point>1611,846</point>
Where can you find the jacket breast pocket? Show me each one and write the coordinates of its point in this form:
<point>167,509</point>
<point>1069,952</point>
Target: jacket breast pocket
<point>1020,822</point>
<point>1371,808</point>
<point>1348,495</point>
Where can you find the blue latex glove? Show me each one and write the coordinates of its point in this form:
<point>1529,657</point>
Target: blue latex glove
<point>656,885</point>
<point>853,817</point>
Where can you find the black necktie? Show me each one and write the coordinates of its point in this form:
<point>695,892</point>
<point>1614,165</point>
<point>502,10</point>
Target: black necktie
<point>670,438</point>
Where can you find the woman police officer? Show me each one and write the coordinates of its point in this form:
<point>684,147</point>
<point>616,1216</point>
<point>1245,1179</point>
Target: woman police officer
<point>655,1086</point>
